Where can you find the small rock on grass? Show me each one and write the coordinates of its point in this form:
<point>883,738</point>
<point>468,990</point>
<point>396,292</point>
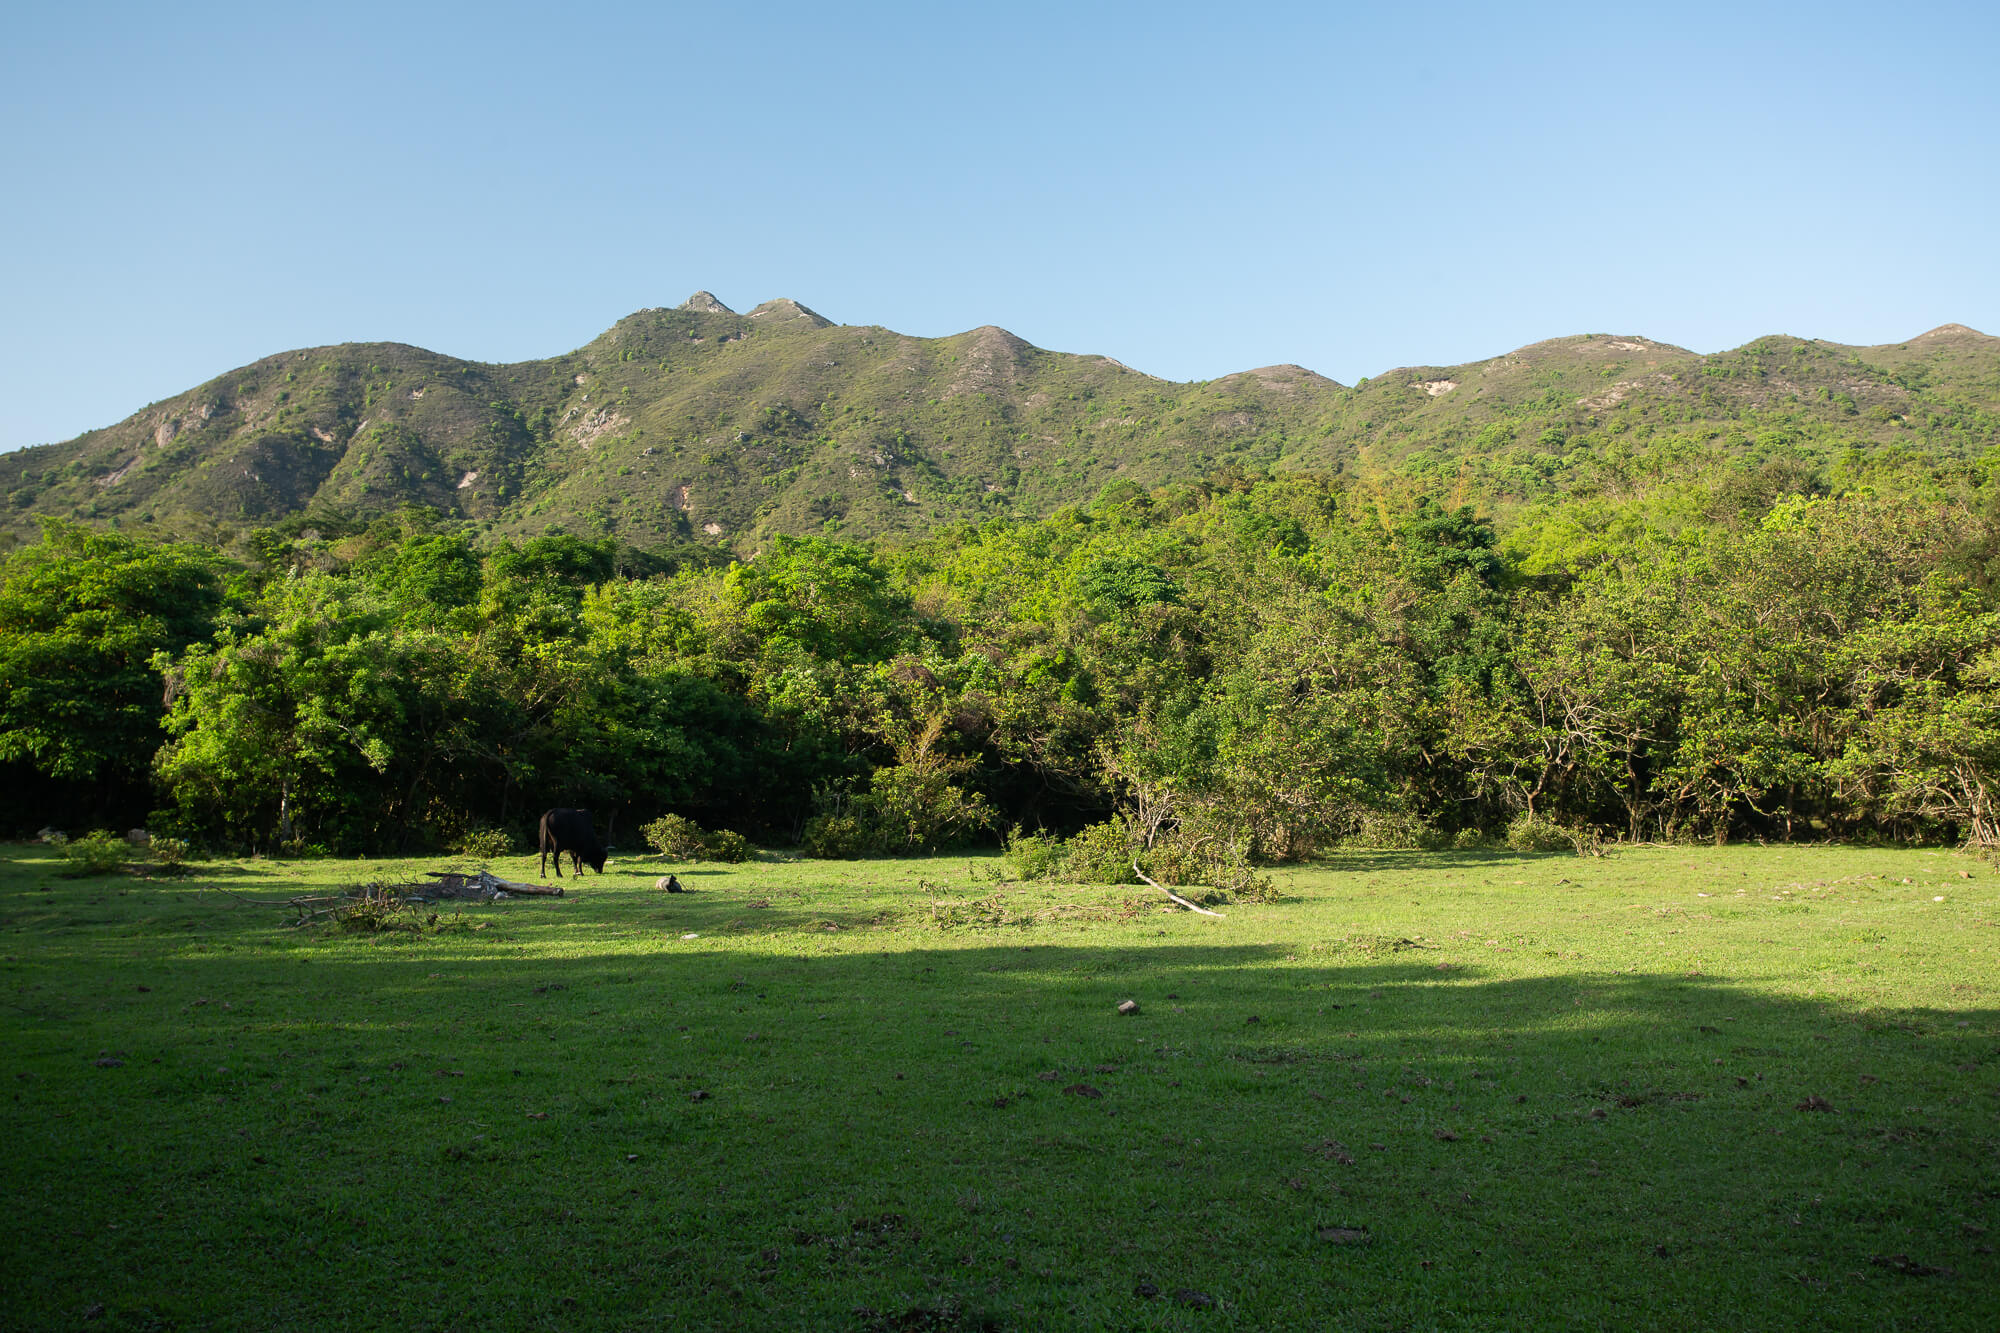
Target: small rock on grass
<point>1128,1007</point>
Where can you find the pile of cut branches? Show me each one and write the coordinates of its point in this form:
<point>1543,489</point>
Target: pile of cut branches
<point>373,906</point>
<point>379,906</point>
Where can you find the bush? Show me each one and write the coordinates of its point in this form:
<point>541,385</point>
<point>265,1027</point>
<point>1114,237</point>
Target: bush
<point>1239,879</point>
<point>838,837</point>
<point>908,808</point>
<point>484,844</point>
<point>1530,833</point>
<point>920,809</point>
<point>726,845</point>
<point>99,853</point>
<point>1035,855</point>
<point>172,853</point>
<point>1469,839</point>
<point>684,840</point>
<point>1100,854</point>
<point>674,836</point>
<point>1190,858</point>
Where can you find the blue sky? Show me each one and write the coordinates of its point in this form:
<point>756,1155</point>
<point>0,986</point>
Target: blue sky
<point>1191,189</point>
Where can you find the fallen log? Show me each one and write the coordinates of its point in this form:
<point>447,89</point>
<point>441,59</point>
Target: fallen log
<point>1171,894</point>
<point>515,886</point>
<point>486,884</point>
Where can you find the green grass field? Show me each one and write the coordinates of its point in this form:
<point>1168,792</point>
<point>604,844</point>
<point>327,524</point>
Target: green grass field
<point>1674,1087</point>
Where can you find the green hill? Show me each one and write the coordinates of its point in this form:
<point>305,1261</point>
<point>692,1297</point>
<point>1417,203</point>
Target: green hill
<point>698,423</point>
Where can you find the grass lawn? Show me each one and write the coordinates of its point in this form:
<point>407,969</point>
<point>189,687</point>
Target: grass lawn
<point>1744,1087</point>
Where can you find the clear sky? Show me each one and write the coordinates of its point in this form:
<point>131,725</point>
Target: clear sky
<point>1191,189</point>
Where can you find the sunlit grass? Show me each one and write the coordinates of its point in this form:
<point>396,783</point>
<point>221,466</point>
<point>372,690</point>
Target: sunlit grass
<point>1451,1090</point>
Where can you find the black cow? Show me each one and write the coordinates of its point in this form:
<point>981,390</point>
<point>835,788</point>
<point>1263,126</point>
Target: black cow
<point>570,831</point>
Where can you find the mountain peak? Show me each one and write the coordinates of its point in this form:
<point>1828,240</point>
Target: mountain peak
<point>704,303</point>
<point>785,310</point>
<point>1948,331</point>
<point>1286,378</point>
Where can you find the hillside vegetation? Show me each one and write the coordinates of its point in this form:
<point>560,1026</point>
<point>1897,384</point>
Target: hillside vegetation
<point>697,425</point>
<point>1597,589</point>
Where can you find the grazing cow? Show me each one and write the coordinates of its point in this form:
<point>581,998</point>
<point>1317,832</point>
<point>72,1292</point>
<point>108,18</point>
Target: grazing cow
<point>570,831</point>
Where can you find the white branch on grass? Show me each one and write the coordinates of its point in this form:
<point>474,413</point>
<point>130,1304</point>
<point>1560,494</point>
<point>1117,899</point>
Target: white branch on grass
<point>1171,894</point>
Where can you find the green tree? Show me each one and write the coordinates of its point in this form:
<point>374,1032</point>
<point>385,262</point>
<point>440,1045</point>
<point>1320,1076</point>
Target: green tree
<point>82,614</point>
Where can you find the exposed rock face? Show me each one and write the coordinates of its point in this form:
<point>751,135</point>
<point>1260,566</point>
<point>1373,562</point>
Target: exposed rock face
<point>704,303</point>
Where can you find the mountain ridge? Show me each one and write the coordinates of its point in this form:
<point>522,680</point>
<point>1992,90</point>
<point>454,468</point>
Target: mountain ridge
<point>699,423</point>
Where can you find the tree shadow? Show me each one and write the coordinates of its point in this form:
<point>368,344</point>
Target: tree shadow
<point>1383,859</point>
<point>1649,1147</point>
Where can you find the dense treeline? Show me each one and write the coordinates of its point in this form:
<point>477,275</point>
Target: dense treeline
<point>1239,670</point>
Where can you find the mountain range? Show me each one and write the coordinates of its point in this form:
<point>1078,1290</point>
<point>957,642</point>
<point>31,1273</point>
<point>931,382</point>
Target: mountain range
<point>699,424</point>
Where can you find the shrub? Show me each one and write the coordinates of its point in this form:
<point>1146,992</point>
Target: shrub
<point>484,844</point>
<point>1189,859</point>
<point>99,853</point>
<point>171,852</point>
<point>1176,861</point>
<point>1100,854</point>
<point>1469,839</point>
<point>1531,833</point>
<point>675,836</point>
<point>1237,878</point>
<point>684,840</point>
<point>907,808</point>
<point>726,845</point>
<point>1035,855</point>
<point>919,808</point>
<point>838,837</point>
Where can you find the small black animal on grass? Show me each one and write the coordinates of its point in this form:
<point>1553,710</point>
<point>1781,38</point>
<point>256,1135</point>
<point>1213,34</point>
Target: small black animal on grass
<point>570,831</point>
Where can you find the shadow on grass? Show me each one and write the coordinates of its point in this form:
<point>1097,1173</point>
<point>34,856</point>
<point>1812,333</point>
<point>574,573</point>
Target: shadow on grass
<point>1371,859</point>
<point>781,1135</point>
